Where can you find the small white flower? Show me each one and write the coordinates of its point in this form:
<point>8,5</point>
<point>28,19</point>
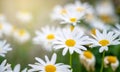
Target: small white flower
<point>21,35</point>
<point>24,16</point>
<point>105,11</point>
<point>104,39</point>
<point>5,28</point>
<point>46,37</point>
<point>71,41</point>
<point>104,7</point>
<point>82,7</point>
<point>58,11</point>
<point>70,13</point>
<point>88,60</point>
<point>17,69</point>
<point>49,65</point>
<point>4,48</point>
<point>112,61</point>
<point>72,17</point>
<point>5,67</point>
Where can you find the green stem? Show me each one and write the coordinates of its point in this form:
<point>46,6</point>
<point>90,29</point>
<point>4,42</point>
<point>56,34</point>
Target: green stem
<point>101,70</point>
<point>71,62</point>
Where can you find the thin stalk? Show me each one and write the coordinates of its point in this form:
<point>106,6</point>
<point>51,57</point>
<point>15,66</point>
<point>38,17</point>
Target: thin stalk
<point>103,55</point>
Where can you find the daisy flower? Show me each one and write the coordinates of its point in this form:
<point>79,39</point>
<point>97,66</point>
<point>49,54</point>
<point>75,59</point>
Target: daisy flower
<point>5,67</point>
<point>57,11</point>
<point>81,7</point>
<point>104,39</point>
<point>76,12</point>
<point>5,28</point>
<point>4,48</point>
<point>17,69</point>
<point>72,17</point>
<point>46,37</point>
<point>71,41</point>
<point>24,16</point>
<point>88,60</point>
<point>21,35</point>
<point>112,61</point>
<point>70,13</point>
<point>105,11</point>
<point>49,65</point>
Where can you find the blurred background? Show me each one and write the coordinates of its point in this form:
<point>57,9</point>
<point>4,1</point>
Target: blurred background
<point>38,15</point>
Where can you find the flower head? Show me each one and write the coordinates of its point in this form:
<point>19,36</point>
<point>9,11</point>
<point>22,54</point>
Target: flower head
<point>104,39</point>
<point>71,41</point>
<point>5,29</point>
<point>105,11</point>
<point>88,60</point>
<point>46,37</point>
<point>49,65</point>
<point>70,13</point>
<point>112,61</point>
<point>21,35</point>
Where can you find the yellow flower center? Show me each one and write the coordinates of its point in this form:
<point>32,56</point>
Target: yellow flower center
<point>105,18</point>
<point>63,11</point>
<point>104,42</point>
<point>93,31</point>
<point>22,32</point>
<point>112,59</point>
<point>72,27</point>
<point>87,54</point>
<point>70,42</point>
<point>50,68</point>
<point>73,19</point>
<point>50,36</point>
<point>1,26</point>
<point>79,9</point>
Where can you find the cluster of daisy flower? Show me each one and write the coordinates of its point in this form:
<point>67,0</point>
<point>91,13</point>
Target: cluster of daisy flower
<point>8,30</point>
<point>85,28</point>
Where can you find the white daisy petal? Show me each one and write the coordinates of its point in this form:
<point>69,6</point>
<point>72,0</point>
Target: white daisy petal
<point>40,60</point>
<point>64,51</point>
<point>53,59</point>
